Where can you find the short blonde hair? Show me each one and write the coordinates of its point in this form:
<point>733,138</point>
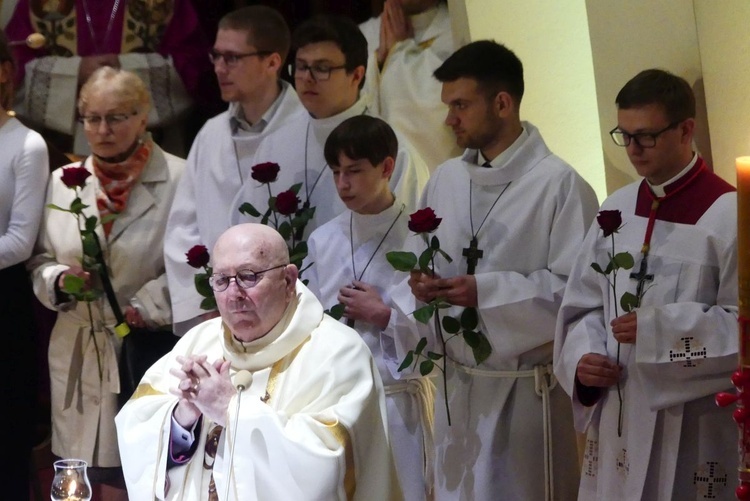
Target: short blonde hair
<point>126,85</point>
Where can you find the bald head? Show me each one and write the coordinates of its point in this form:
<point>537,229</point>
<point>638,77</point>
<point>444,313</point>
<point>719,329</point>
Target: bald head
<point>250,313</point>
<point>260,240</point>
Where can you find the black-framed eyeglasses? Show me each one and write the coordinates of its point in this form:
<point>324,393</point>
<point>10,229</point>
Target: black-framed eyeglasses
<point>112,120</point>
<point>319,72</point>
<point>247,279</point>
<point>642,139</point>
<point>232,59</point>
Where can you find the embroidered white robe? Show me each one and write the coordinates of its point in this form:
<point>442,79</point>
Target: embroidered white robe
<point>675,444</point>
<point>320,434</point>
<point>330,255</point>
<point>494,448</point>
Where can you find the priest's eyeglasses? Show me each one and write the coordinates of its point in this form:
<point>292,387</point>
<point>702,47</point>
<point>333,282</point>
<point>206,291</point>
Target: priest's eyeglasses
<point>231,59</point>
<point>319,72</point>
<point>642,139</point>
<point>92,122</point>
<point>247,279</point>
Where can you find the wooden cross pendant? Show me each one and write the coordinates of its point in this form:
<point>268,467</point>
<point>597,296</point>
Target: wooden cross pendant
<point>473,254</point>
<point>642,277</point>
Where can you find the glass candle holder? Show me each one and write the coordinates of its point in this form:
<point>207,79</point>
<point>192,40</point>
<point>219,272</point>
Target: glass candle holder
<point>71,482</point>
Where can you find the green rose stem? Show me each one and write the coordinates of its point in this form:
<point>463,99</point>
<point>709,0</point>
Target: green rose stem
<point>122,329</point>
<point>275,219</point>
<point>93,336</point>
<point>439,330</point>
<point>617,314</point>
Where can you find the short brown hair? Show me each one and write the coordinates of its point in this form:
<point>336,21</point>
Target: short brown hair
<point>361,137</point>
<point>266,28</point>
<point>655,86</point>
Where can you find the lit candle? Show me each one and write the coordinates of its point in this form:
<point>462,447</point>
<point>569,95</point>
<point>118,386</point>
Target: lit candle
<point>743,255</point>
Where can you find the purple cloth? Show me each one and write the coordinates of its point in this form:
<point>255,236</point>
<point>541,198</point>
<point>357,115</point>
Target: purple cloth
<point>183,40</point>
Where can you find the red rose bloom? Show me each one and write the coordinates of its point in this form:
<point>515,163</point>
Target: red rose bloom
<point>265,172</point>
<point>287,203</point>
<point>609,221</point>
<point>198,256</point>
<point>424,221</point>
<point>74,177</point>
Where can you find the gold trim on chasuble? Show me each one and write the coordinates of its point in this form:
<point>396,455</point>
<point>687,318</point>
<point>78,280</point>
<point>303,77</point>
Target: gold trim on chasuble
<point>145,390</point>
<point>339,431</point>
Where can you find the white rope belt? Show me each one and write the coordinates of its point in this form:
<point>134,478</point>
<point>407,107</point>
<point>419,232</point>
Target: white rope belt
<point>544,381</point>
<point>423,391</point>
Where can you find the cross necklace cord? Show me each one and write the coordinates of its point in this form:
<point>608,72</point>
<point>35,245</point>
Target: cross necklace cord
<point>350,321</point>
<point>473,253</point>
<point>308,189</point>
<point>351,242</point>
<point>642,276</point>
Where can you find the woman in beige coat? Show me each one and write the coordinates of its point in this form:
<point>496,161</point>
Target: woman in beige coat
<point>134,180</point>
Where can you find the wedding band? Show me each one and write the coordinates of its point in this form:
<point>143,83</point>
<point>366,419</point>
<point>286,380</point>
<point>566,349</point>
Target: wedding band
<point>196,386</point>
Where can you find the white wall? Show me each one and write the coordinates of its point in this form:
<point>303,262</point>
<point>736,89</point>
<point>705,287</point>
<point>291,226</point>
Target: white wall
<point>627,37</point>
<point>551,38</point>
<point>725,53</point>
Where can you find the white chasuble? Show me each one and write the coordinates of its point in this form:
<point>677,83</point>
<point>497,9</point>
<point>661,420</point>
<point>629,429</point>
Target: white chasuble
<point>310,426</point>
<point>494,448</point>
<point>676,443</point>
<point>369,238</point>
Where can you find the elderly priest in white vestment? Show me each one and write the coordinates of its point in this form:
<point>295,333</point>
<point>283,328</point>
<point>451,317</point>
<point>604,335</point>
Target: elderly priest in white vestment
<point>272,401</point>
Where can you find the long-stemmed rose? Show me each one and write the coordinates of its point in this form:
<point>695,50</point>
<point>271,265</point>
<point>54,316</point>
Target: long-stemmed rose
<point>198,257</point>
<point>291,225</point>
<point>75,178</point>
<point>610,222</point>
<point>424,222</point>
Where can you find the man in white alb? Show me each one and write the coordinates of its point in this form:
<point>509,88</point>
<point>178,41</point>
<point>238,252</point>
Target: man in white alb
<point>513,217</point>
<point>348,267</point>
<point>250,49</point>
<point>679,347</point>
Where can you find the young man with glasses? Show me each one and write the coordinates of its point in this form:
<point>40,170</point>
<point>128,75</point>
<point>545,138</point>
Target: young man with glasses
<point>250,49</point>
<point>665,439</point>
<point>328,70</point>
<point>294,391</point>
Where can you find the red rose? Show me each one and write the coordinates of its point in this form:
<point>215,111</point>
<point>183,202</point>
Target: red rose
<point>609,221</point>
<point>265,172</point>
<point>424,221</point>
<point>287,203</point>
<point>198,256</point>
<point>74,177</point>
